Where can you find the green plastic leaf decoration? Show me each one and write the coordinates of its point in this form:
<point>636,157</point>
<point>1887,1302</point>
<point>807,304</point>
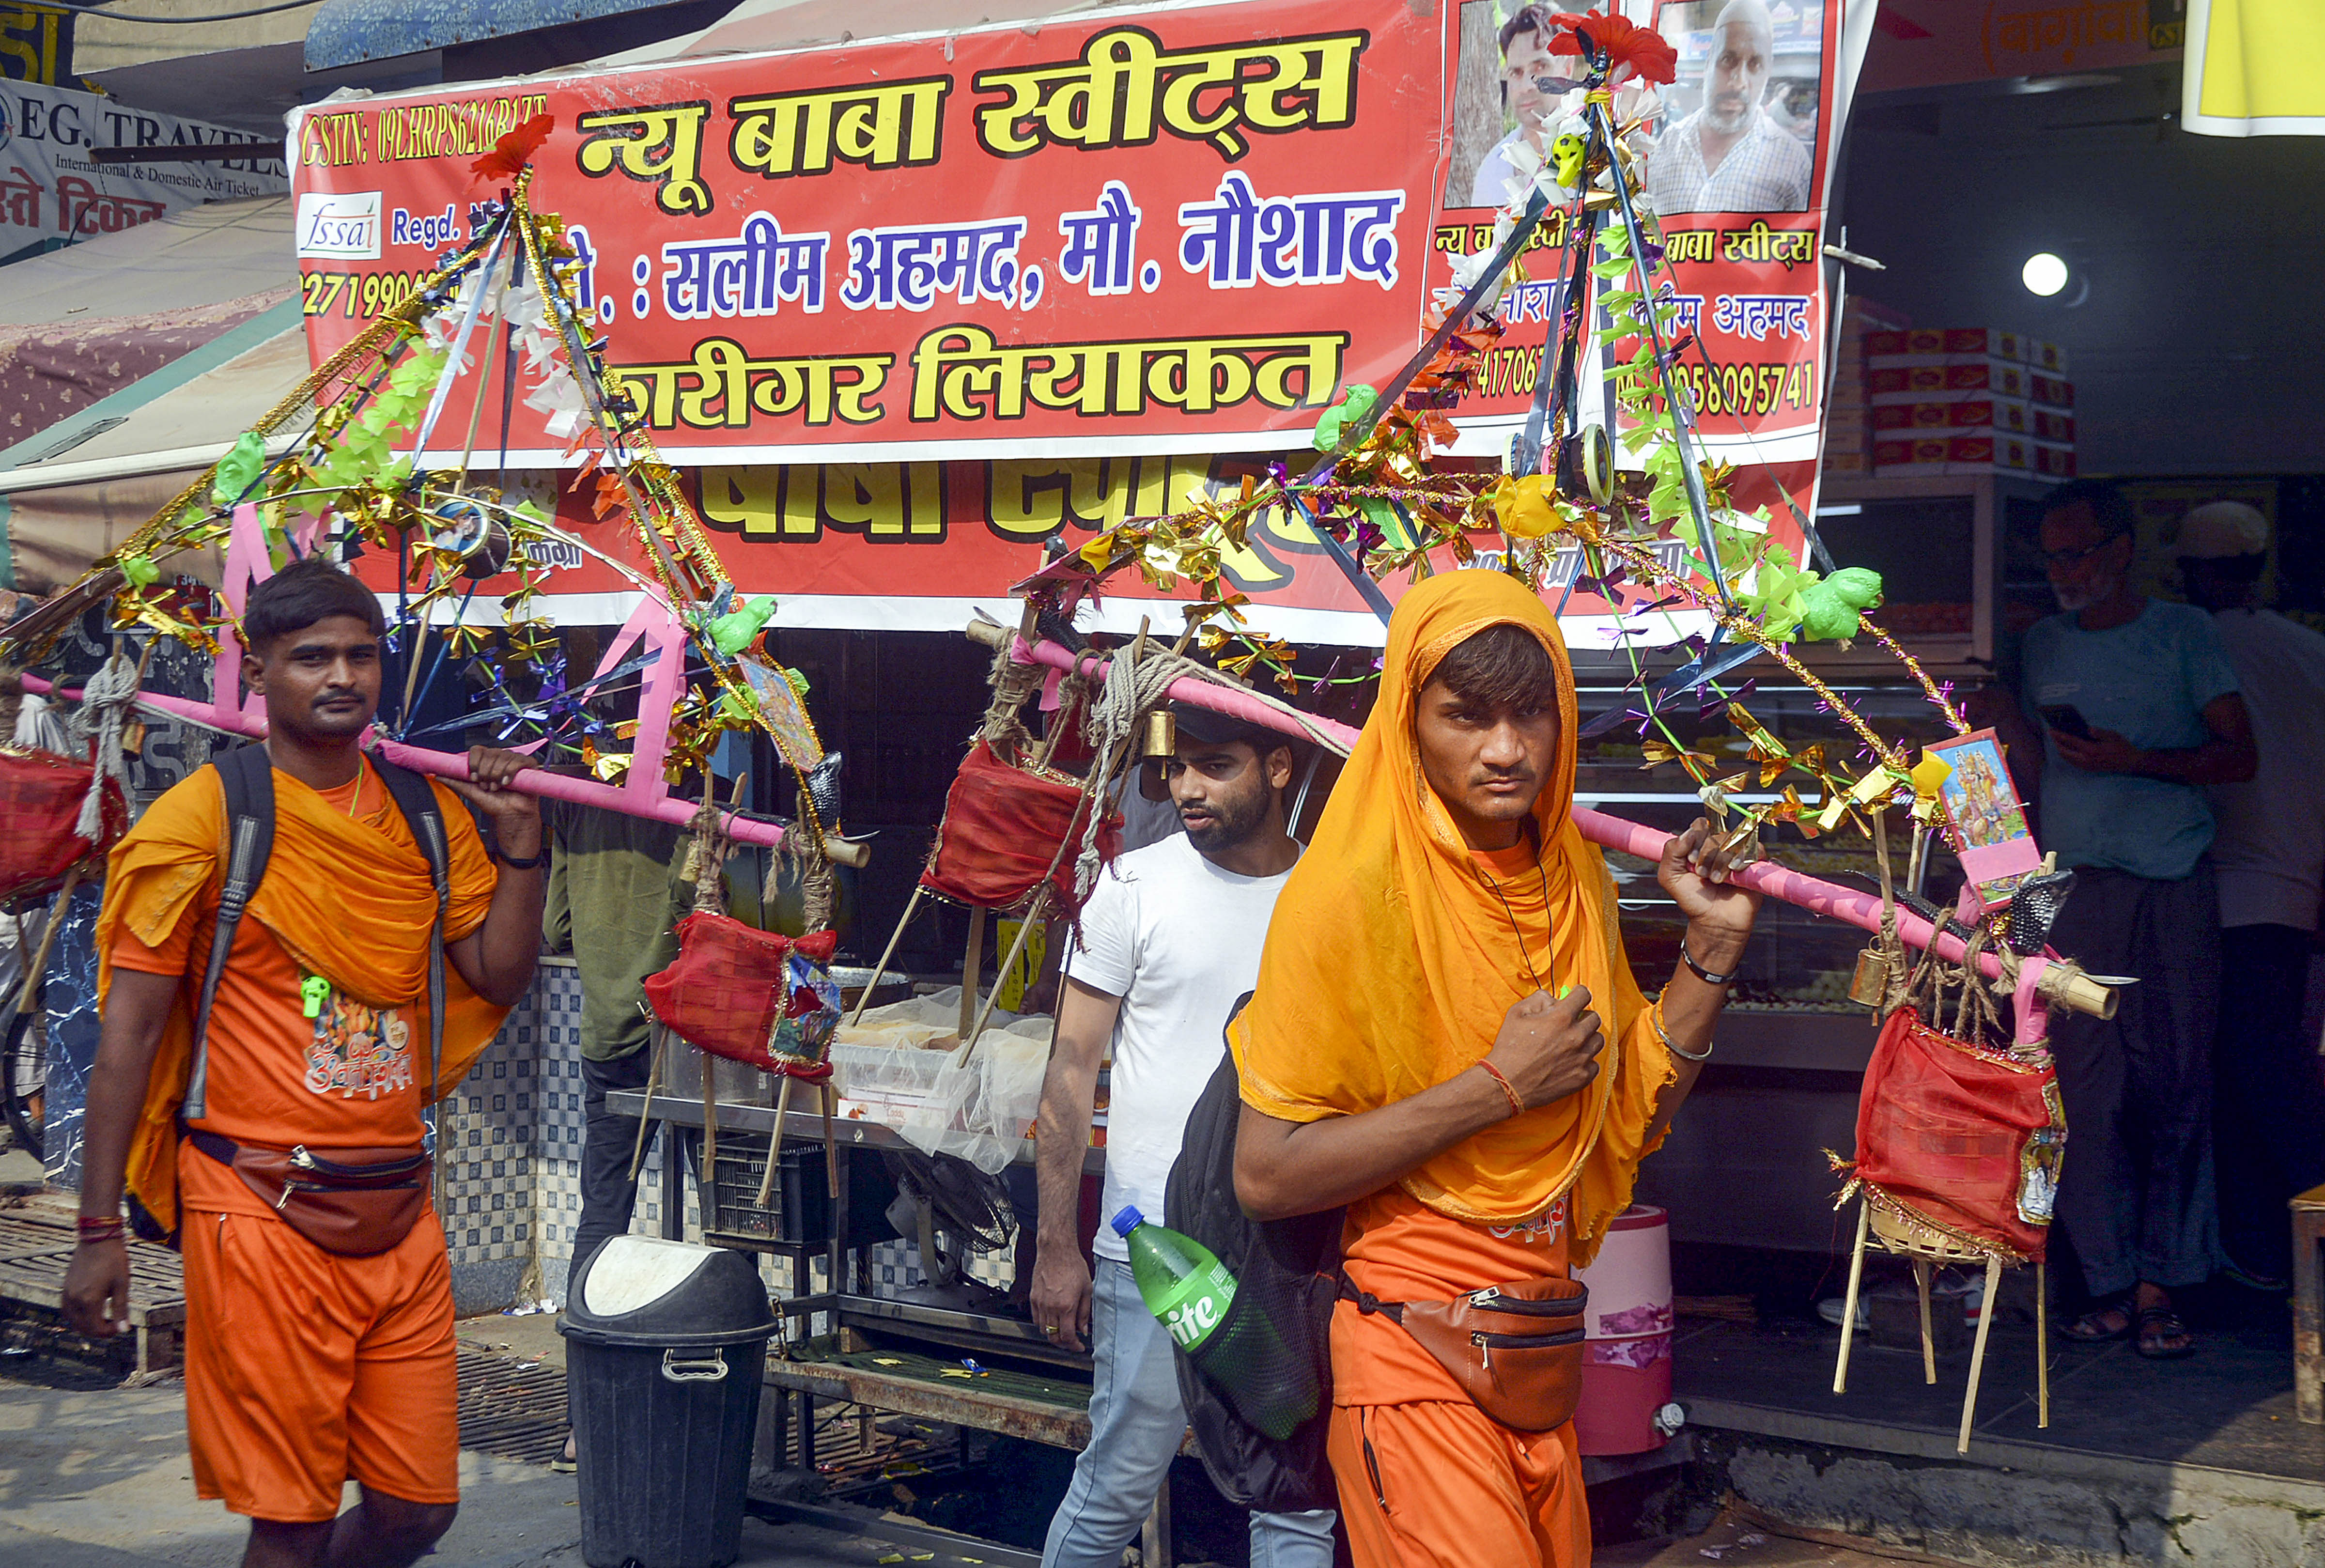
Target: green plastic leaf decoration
<point>1857,586</point>
<point>139,570</point>
<point>239,469</point>
<point>1353,408</point>
<point>732,633</point>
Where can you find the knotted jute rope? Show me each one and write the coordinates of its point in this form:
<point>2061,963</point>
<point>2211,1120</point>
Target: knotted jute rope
<point>1004,725</point>
<point>105,700</point>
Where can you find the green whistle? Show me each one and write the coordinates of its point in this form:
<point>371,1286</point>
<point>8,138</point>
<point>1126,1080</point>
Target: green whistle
<point>313,992</point>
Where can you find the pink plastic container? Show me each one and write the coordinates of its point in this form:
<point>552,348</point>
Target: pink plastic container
<point>1626,1360</point>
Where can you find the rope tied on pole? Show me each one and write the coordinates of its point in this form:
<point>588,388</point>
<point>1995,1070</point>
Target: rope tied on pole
<point>106,698</point>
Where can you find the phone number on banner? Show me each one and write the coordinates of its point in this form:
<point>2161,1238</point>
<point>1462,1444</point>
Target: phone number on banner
<point>359,294</point>
<point>1761,388</point>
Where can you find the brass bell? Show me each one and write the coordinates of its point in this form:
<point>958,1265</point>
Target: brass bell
<point>1868,987</point>
<point>1162,735</point>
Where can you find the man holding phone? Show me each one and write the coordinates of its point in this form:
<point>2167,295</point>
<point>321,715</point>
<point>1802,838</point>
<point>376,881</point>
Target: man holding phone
<point>2140,710</point>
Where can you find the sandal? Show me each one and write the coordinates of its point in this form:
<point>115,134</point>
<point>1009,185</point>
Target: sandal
<point>2091,1328</point>
<point>2158,1324</point>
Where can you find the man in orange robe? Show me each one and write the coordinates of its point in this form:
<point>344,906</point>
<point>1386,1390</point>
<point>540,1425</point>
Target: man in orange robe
<point>305,1367</point>
<point>1446,1038</point>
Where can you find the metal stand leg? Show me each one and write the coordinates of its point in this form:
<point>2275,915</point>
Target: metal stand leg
<point>674,1186</point>
<point>1977,1352</point>
<point>1849,1316</point>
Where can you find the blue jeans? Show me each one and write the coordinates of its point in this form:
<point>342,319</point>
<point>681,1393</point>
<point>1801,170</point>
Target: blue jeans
<point>1136,1424</point>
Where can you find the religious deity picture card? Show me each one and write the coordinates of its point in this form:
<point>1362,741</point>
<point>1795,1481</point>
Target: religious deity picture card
<point>1985,817</point>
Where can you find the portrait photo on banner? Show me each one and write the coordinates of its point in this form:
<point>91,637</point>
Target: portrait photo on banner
<point>1498,102</point>
<point>1738,129</point>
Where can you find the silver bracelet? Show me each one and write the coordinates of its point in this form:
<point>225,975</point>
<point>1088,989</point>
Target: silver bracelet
<point>1655,1018</point>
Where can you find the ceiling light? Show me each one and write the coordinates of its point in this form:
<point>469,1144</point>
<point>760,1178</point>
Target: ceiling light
<point>2043,274</point>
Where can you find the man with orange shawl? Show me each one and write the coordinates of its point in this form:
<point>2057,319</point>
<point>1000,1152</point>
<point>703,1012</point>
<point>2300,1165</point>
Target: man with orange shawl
<point>1447,1039</point>
<point>306,1366</point>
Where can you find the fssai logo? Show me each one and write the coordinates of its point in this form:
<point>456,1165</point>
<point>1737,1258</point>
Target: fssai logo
<point>345,226</point>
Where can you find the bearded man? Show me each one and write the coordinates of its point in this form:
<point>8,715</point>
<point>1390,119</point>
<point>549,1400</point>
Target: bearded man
<point>2140,708</point>
<point>1729,156</point>
<point>1446,1040</point>
<point>1170,939</point>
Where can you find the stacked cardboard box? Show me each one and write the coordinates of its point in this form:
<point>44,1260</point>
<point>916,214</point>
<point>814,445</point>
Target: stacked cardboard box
<point>1848,432</point>
<point>1971,400</point>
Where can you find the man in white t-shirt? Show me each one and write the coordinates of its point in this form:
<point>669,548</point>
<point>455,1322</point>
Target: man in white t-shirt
<point>1170,937</point>
<point>2269,854</point>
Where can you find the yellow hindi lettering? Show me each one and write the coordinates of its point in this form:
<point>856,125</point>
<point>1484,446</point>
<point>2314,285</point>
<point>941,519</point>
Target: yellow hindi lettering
<point>964,373</point>
<point>884,126</point>
<point>661,144</point>
<point>722,387</point>
<point>1125,88</point>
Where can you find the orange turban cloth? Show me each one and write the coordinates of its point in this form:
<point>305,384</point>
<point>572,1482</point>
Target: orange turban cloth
<point>1391,960</point>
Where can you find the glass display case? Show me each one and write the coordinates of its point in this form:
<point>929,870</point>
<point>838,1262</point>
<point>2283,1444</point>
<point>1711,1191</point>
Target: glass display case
<point>1744,1163</point>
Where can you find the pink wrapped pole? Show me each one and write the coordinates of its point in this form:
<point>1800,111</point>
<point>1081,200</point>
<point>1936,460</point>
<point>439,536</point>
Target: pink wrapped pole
<point>580,792</point>
<point>2068,987</point>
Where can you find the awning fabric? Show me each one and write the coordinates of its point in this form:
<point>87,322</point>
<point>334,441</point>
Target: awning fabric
<point>349,31</point>
<point>201,255</point>
<point>148,441</point>
<point>757,26</point>
<point>163,290</point>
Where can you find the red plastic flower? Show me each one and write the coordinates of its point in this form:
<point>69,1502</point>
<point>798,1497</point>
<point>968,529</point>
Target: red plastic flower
<point>513,151</point>
<point>1631,50</point>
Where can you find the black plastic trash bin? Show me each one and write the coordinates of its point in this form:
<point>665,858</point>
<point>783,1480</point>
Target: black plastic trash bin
<point>665,1345</point>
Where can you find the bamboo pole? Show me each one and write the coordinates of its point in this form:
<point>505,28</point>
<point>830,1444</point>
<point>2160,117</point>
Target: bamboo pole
<point>1977,1352</point>
<point>1856,1278</point>
<point>2064,986</point>
<point>533,781</point>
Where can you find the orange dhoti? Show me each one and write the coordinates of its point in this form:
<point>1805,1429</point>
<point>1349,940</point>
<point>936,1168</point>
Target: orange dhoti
<point>305,1369</point>
<point>1440,1484</point>
<point>1425,1477</point>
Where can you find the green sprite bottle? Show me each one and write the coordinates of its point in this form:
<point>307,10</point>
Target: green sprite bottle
<point>1190,1291</point>
<point>1182,1284</point>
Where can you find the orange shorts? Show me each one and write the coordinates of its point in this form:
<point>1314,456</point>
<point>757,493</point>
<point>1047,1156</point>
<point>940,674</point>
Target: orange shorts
<point>1437,1484</point>
<point>304,1369</point>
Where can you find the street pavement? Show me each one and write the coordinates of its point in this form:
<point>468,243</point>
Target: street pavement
<point>96,1477</point>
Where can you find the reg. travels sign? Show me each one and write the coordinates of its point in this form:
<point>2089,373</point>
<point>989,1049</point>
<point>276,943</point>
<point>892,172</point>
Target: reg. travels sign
<point>53,193</point>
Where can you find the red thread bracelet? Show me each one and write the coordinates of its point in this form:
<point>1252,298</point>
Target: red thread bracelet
<point>1517,1105</point>
<point>100,1228</point>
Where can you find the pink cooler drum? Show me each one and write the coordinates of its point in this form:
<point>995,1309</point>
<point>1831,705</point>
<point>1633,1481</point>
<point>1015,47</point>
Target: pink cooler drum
<point>1627,1365</point>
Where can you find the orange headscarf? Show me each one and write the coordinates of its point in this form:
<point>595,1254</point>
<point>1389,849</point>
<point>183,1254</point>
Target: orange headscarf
<point>347,900</point>
<point>1390,963</point>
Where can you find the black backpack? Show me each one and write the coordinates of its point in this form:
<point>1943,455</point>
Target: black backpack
<point>247,774</point>
<point>1289,1270</point>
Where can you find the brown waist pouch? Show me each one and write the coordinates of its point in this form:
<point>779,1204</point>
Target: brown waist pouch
<point>1515,1349</point>
<point>355,1202</point>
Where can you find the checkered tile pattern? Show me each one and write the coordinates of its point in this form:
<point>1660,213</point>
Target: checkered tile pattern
<point>499,1136</point>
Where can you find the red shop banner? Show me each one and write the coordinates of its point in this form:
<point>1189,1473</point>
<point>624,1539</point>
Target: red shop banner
<point>1179,230</point>
<point>909,329</point>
